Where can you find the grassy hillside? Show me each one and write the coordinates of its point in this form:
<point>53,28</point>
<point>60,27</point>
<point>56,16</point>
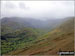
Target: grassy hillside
<point>15,36</point>
<point>61,38</point>
<point>17,39</point>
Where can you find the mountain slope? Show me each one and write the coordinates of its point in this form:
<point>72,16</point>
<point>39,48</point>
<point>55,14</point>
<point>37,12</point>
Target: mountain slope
<point>61,38</point>
<point>16,39</point>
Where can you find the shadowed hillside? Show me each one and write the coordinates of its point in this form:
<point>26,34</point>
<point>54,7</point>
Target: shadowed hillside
<point>16,31</point>
<point>61,38</point>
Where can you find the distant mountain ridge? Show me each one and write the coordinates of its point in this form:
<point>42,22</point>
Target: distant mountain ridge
<point>29,22</point>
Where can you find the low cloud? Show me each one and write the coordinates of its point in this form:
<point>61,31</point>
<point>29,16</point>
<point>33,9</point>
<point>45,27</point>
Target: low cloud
<point>37,9</point>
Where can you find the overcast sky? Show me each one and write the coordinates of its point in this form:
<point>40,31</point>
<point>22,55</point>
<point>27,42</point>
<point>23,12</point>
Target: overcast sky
<point>37,9</point>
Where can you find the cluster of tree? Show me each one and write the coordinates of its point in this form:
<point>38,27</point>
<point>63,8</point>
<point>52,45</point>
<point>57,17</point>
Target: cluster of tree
<point>16,39</point>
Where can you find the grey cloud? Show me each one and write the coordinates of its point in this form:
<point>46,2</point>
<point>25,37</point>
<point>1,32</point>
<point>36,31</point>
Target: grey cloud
<point>39,10</point>
<point>9,5</point>
<point>22,5</point>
